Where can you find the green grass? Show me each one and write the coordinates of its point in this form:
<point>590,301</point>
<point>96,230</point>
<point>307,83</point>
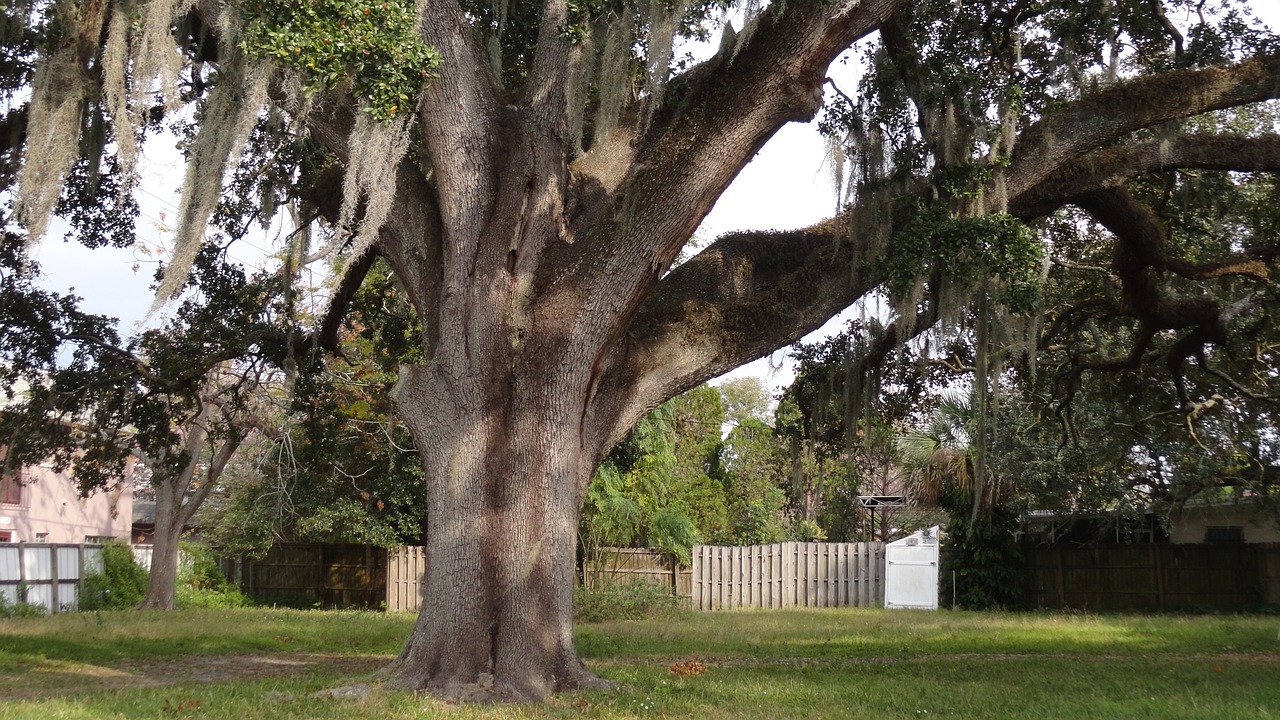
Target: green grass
<point>257,663</point>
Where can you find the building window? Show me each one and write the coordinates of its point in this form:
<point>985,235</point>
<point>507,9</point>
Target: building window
<point>97,539</point>
<point>11,488</point>
<point>42,537</point>
<point>1224,534</point>
<point>6,536</point>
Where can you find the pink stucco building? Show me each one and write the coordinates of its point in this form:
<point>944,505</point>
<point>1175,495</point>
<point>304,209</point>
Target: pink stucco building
<point>40,505</point>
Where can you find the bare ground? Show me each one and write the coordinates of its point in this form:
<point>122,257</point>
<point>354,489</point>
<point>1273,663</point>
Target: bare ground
<point>45,678</point>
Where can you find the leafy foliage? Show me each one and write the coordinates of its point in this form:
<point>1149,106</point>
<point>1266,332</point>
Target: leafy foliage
<point>987,560</point>
<point>345,470</point>
<point>201,583</point>
<point>371,44</point>
<point>673,482</point>
<point>119,585</point>
<point>967,250</point>
<point>19,609</point>
<point>622,601</point>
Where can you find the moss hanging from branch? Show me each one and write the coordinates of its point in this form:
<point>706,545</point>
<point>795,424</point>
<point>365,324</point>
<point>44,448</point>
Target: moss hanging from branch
<point>226,121</point>
<point>60,95</point>
<point>60,98</point>
<point>157,61</point>
<point>115,92</point>
<point>615,86</point>
<point>371,176</point>
<point>663,18</point>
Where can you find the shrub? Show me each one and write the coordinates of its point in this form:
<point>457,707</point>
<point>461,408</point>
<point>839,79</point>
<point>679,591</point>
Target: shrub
<point>623,601</point>
<point>21,608</point>
<point>120,584</point>
<point>201,583</point>
<point>988,563</point>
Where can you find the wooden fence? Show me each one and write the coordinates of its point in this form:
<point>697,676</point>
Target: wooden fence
<point>621,565</point>
<point>1108,577</point>
<point>327,575</point>
<point>406,571</point>
<point>789,574</point>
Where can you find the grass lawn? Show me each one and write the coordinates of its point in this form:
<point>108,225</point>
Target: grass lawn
<point>263,663</point>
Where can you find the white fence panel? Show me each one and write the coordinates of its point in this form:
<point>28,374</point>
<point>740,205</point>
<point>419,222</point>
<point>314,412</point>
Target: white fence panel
<point>10,557</point>
<point>45,574</point>
<point>37,562</point>
<point>91,558</point>
<point>68,562</point>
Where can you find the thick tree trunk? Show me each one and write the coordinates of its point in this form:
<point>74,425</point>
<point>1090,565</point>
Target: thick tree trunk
<point>506,480</point>
<point>162,584</point>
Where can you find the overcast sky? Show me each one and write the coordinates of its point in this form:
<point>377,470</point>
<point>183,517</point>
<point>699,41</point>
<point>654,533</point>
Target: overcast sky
<point>788,185</point>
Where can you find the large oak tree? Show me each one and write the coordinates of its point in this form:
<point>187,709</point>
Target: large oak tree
<point>533,198</point>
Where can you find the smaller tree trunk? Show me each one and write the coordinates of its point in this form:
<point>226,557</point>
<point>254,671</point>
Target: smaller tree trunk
<point>174,509</point>
<point>163,582</point>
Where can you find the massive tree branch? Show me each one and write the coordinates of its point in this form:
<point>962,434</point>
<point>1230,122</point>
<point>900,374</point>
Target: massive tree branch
<point>459,113</point>
<point>705,314</point>
<point>548,87</point>
<point>1140,261</point>
<point>1113,166</point>
<point>1103,117</point>
<point>776,78</point>
<point>742,297</point>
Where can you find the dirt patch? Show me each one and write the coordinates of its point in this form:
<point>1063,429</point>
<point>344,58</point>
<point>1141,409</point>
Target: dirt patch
<point>46,678</point>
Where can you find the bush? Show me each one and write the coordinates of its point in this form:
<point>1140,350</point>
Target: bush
<point>201,583</point>
<point>22,608</point>
<point>120,584</point>
<point>623,601</point>
<point>988,563</point>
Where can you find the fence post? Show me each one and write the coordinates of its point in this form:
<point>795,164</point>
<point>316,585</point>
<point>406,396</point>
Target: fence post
<point>54,605</point>
<point>1157,569</point>
<point>80,575</point>
<point>1062,583</point>
<point>21,590</point>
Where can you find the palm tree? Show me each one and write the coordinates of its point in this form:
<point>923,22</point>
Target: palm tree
<point>942,461</point>
<point>945,468</point>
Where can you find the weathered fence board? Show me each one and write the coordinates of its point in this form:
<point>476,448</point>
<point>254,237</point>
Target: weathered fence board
<point>406,570</point>
<point>1155,576</point>
<point>614,565</point>
<point>328,575</point>
<point>790,574</point>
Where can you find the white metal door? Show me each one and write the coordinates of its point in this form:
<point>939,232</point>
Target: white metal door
<point>911,571</point>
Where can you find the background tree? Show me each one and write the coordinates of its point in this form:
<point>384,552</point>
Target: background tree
<point>941,462</point>
<point>661,487</point>
<point>746,398</point>
<point>169,408</point>
<point>532,198</point>
<point>852,394</point>
<point>342,468</point>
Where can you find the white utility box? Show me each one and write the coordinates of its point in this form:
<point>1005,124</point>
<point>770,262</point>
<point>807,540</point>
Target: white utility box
<point>911,571</point>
